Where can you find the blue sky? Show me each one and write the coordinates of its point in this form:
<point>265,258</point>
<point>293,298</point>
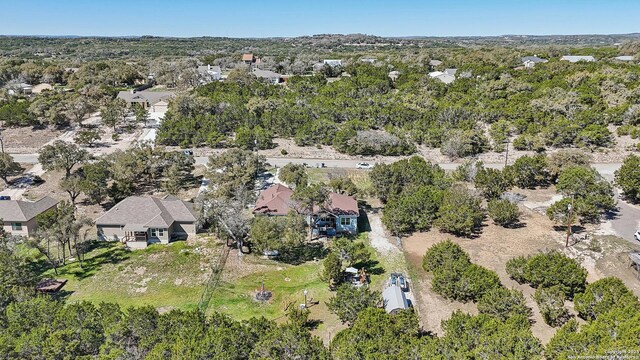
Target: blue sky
<point>264,18</point>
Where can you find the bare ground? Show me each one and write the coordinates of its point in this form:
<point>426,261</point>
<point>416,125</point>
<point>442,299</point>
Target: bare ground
<point>26,140</point>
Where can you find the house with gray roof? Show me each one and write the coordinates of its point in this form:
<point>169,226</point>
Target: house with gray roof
<point>625,58</point>
<point>19,217</point>
<point>270,76</point>
<point>531,61</point>
<point>154,101</point>
<point>142,220</point>
<point>575,59</point>
<point>443,77</point>
<point>394,299</point>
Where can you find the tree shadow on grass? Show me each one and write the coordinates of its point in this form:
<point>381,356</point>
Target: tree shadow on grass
<point>372,267</point>
<point>313,324</point>
<point>301,254</point>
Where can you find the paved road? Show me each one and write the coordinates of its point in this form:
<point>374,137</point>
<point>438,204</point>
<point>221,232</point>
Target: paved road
<point>627,220</point>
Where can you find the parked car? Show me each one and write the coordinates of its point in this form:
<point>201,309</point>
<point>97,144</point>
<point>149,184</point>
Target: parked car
<point>4,197</point>
<point>637,235</point>
<point>364,165</point>
<point>402,282</point>
<point>188,152</point>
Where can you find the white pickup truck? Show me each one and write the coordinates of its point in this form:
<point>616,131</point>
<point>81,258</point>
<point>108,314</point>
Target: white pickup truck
<point>637,235</point>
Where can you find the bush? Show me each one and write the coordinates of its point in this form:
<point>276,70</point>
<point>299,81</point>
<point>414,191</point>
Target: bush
<point>294,174</point>
<point>565,158</point>
<point>491,182</point>
<point>350,301</point>
<point>503,212</point>
<point>551,304</point>
<point>459,143</point>
<point>464,282</point>
<point>503,303</point>
<point>604,295</point>
<point>460,213</point>
<point>628,177</point>
<point>527,172</point>
<point>443,254</point>
<point>516,269</point>
<point>549,269</point>
<point>413,210</point>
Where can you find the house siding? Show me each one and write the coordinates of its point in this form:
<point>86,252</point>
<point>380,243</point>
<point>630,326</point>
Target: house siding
<point>28,227</point>
<point>110,232</point>
<point>352,228</point>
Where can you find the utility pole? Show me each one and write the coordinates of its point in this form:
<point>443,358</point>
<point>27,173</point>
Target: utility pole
<point>569,218</point>
<point>506,153</point>
<point>2,143</point>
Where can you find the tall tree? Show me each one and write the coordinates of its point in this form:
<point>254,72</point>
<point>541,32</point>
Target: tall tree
<point>8,167</point>
<point>62,155</point>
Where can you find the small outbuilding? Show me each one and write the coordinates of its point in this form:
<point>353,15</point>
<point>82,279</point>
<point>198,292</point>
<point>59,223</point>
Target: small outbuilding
<point>394,299</point>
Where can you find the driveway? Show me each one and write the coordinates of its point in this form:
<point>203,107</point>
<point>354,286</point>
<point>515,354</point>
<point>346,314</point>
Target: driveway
<point>625,223</point>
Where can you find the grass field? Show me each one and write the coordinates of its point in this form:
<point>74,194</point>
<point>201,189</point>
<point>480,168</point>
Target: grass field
<point>163,276</point>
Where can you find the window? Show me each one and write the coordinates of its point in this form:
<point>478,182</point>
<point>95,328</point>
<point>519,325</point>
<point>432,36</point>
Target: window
<point>345,221</point>
<point>16,226</point>
<point>157,232</point>
<point>154,233</point>
<point>160,232</point>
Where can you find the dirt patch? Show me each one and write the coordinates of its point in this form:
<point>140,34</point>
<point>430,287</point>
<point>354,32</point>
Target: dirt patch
<point>492,249</point>
<point>27,140</point>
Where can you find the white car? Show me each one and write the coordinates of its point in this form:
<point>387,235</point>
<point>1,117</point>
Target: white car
<point>364,165</point>
<point>637,235</point>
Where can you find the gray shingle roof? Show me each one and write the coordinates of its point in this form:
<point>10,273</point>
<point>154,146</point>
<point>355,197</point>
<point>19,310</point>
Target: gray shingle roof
<point>151,97</point>
<point>573,59</point>
<point>534,59</point>
<point>19,211</point>
<point>148,212</point>
<point>266,74</point>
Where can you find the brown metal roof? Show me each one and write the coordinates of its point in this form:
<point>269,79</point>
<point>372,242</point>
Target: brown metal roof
<point>276,200</point>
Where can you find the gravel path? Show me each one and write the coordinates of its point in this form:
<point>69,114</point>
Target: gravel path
<point>378,238</point>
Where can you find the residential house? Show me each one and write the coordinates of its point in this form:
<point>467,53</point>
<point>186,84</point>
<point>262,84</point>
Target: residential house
<point>267,75</point>
<point>14,88</point>
<point>625,58</point>
<point>332,62</point>
<point>19,217</point>
<point>368,60</point>
<point>393,75</point>
<point>37,89</point>
<point>248,58</point>
<point>338,216</point>
<point>394,300</point>
<point>154,101</point>
<point>575,59</point>
<point>142,220</point>
<point>531,61</point>
<point>443,77</point>
<point>209,73</point>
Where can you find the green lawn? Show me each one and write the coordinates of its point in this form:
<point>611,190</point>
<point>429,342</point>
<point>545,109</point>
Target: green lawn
<point>163,276</point>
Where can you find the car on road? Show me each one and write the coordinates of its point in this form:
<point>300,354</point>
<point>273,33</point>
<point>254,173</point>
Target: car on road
<point>4,197</point>
<point>637,235</point>
<point>364,165</point>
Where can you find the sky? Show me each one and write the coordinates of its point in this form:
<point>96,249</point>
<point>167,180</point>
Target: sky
<point>285,18</point>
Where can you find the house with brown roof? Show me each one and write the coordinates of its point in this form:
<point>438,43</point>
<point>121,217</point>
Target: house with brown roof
<point>154,101</point>
<point>248,58</point>
<point>339,215</point>
<point>142,220</point>
<point>19,217</point>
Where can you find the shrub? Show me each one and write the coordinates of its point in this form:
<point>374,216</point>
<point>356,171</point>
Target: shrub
<point>412,210</point>
<point>503,212</point>
<point>442,254</point>
<point>464,282</point>
<point>604,295</point>
<point>549,269</point>
<point>551,304</point>
<point>628,177</point>
<point>460,212</point>
<point>503,303</point>
<point>527,172</point>
<point>516,268</point>
<point>350,301</point>
<point>565,158</point>
<point>491,182</point>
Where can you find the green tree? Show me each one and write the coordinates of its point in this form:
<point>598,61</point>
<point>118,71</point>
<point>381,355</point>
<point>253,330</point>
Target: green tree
<point>72,186</point>
<point>350,300</point>
<point>95,180</point>
<point>114,113</point>
<point>141,114</point>
<point>550,301</point>
<point>342,185</point>
<point>460,213</point>
<point>234,168</point>
<point>294,174</point>
<point>503,303</point>
<point>527,172</point>
<point>63,156</point>
<point>8,167</point>
<point>549,269</point>
<point>566,158</point>
<point>603,296</point>
<point>332,272</point>
<point>491,182</point>
<point>307,197</point>
<point>503,212</point>
<point>88,137</point>
<point>412,210</point>
<point>628,177</point>
<point>442,254</point>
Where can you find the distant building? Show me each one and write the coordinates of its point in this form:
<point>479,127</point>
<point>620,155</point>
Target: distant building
<point>625,58</point>
<point>393,75</point>
<point>451,72</point>
<point>531,61</point>
<point>332,63</point>
<point>575,59</point>
<point>248,59</point>
<point>435,62</point>
<point>270,76</point>
<point>394,299</point>
<point>208,73</point>
<point>442,76</point>
<point>14,88</point>
<point>154,101</point>
<point>139,221</point>
<point>19,217</point>
<point>368,60</point>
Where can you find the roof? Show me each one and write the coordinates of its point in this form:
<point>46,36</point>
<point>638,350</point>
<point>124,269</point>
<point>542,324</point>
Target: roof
<point>573,59</point>
<point>208,69</point>
<point>148,212</point>
<point>247,57</point>
<point>276,200</point>
<point>266,74</point>
<point>150,97</point>
<point>445,78</point>
<point>625,58</point>
<point>41,87</point>
<point>435,62</point>
<point>450,71</point>
<point>534,59</point>
<point>394,299</point>
<point>19,211</point>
